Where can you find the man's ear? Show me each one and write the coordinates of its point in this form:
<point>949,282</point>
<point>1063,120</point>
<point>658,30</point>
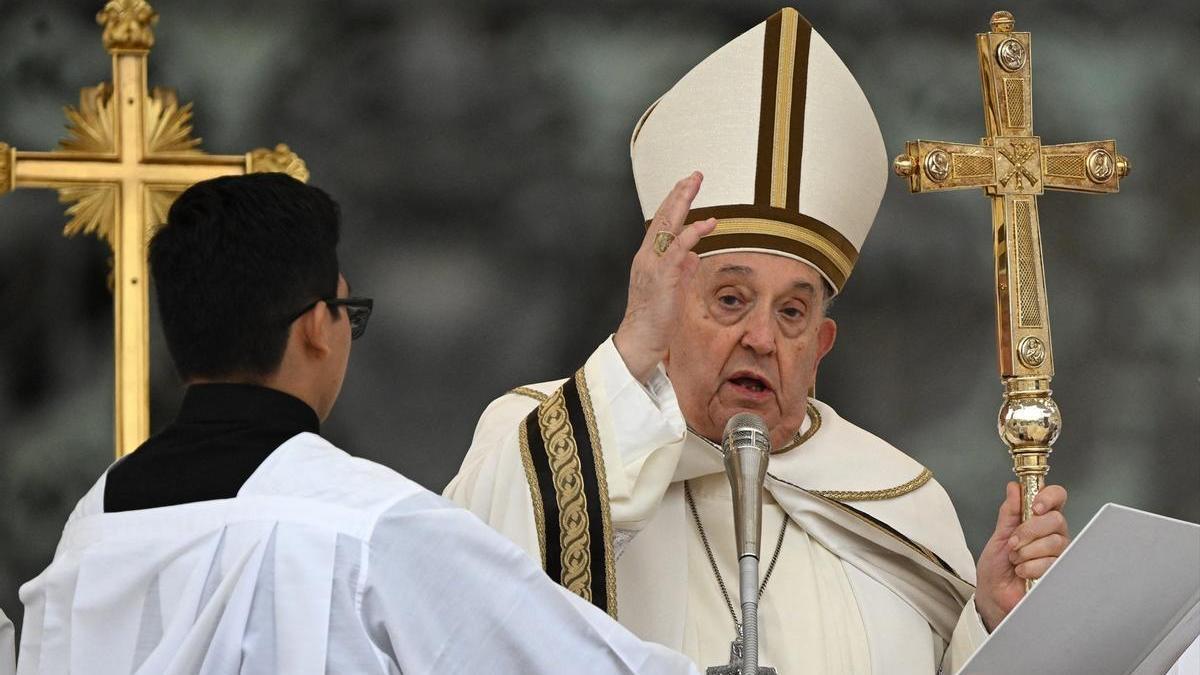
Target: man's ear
<point>826,336</point>
<point>314,329</point>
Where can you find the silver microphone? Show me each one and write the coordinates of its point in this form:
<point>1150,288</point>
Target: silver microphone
<point>747,447</point>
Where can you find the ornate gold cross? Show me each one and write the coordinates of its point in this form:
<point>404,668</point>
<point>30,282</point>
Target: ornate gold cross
<point>1013,168</point>
<point>129,154</point>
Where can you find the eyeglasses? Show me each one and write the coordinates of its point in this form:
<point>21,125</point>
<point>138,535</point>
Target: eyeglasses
<point>357,309</point>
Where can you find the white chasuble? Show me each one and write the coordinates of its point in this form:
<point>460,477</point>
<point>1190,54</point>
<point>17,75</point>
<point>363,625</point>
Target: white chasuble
<point>323,563</point>
<point>807,611</point>
<point>587,476</point>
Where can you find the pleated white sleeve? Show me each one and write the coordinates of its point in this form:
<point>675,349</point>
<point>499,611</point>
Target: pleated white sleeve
<point>8,644</point>
<point>445,594</point>
<point>969,636</point>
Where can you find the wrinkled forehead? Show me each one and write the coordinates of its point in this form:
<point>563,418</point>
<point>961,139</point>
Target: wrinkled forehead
<point>769,270</point>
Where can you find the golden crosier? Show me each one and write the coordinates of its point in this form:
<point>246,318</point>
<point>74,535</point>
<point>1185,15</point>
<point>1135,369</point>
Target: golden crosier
<point>1013,168</point>
<point>1029,422</point>
<point>128,154</point>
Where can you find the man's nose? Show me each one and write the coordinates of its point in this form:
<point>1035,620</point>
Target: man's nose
<point>759,331</point>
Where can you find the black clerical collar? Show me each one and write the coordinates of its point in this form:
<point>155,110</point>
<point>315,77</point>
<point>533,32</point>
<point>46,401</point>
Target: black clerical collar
<point>231,403</point>
<point>222,434</point>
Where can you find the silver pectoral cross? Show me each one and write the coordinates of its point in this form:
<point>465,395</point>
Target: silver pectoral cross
<point>734,667</point>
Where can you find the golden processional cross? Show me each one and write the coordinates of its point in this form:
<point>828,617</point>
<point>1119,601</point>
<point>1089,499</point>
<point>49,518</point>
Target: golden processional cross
<point>129,154</point>
<point>1013,168</point>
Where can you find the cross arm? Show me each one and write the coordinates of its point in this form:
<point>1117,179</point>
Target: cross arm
<point>1084,167</point>
<point>64,167</point>
<point>934,166</point>
<point>56,169</point>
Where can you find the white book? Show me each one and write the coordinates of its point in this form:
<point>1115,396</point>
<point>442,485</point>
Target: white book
<point>1123,599</point>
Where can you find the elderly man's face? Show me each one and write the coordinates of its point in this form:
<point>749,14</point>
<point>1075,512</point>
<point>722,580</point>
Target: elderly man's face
<point>750,339</point>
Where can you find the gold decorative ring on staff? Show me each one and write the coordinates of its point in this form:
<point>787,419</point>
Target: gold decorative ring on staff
<point>662,241</point>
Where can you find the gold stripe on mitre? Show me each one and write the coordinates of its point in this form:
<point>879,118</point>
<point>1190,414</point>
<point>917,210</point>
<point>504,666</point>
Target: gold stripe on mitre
<point>781,122</point>
<point>774,218</point>
<point>748,226</point>
<point>784,85</point>
<point>774,222</point>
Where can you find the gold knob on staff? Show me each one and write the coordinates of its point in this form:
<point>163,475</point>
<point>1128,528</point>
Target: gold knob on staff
<point>1003,22</point>
<point>1124,166</point>
<point>904,165</point>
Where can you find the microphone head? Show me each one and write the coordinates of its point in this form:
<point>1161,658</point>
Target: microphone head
<point>746,429</point>
<point>747,449</point>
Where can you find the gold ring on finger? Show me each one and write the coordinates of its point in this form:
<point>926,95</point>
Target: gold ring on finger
<point>662,241</point>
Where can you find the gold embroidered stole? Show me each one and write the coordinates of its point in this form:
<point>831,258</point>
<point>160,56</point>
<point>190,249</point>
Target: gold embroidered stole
<point>564,465</point>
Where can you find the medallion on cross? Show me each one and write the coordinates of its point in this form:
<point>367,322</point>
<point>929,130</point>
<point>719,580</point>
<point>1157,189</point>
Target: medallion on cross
<point>1011,55</point>
<point>1100,165</point>
<point>1032,351</point>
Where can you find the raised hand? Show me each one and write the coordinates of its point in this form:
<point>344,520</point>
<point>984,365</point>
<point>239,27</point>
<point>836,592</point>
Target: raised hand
<point>658,280</point>
<point>1019,551</point>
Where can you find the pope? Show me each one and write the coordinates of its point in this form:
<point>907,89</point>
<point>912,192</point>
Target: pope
<point>612,478</point>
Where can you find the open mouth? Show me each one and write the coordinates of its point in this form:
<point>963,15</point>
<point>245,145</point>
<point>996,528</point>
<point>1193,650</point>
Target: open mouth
<point>750,383</point>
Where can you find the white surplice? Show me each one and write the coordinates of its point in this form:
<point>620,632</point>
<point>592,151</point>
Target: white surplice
<point>874,574</point>
<point>323,563</point>
<point>7,646</point>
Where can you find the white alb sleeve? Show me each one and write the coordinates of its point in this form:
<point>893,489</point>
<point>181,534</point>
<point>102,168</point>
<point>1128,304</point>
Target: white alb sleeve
<point>8,646</point>
<point>443,593</point>
<point>642,433</point>
<point>969,636</point>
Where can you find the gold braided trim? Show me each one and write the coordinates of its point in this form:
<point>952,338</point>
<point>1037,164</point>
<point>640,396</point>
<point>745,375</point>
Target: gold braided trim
<point>530,392</point>
<point>839,495</point>
<point>535,492</point>
<point>776,228</point>
<point>610,567</point>
<point>886,530</point>
<point>563,454</point>
<point>814,417</point>
<point>919,548</point>
<point>877,495</point>
<point>783,108</point>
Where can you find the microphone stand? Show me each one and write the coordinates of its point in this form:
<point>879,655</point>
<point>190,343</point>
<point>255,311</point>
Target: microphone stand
<point>746,447</point>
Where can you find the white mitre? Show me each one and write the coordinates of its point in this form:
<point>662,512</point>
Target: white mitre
<point>792,157</point>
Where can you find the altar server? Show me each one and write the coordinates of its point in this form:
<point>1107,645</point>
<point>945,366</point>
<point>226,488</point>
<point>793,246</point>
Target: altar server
<point>238,540</point>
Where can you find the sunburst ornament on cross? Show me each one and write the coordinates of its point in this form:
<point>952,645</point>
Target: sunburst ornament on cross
<point>128,155</point>
<point>1013,168</point>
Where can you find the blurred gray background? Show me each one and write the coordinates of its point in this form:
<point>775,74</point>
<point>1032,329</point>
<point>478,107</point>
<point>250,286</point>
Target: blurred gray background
<point>480,154</point>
